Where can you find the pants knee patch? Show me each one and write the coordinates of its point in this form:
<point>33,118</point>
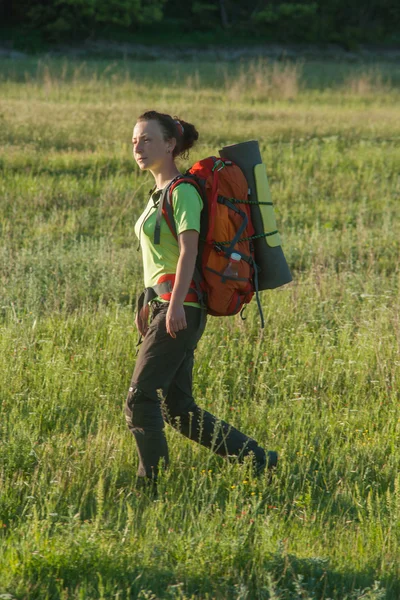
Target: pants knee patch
<point>141,413</point>
<point>133,397</point>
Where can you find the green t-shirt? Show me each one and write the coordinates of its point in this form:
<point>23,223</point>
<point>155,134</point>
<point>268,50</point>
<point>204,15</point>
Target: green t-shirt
<point>163,258</point>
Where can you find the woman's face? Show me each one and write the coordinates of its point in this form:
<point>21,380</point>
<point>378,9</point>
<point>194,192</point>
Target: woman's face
<point>150,150</point>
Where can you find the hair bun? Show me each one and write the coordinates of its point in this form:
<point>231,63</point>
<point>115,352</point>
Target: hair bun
<point>188,136</point>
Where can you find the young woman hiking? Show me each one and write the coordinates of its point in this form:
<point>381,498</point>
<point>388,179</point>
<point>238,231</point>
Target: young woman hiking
<point>165,360</point>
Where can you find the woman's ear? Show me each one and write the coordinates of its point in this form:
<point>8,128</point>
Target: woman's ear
<point>171,144</point>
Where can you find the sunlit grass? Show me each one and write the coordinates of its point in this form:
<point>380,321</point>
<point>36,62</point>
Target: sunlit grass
<point>320,384</point>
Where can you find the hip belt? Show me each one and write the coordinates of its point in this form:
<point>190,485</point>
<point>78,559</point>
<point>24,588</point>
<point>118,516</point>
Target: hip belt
<point>163,289</point>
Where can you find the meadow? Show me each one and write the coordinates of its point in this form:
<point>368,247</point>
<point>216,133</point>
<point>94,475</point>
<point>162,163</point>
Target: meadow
<point>320,384</point>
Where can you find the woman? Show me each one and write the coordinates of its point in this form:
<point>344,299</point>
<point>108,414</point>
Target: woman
<point>161,387</point>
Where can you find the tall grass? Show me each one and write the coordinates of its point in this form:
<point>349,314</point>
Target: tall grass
<point>320,384</point>
<point>367,83</point>
<point>264,80</point>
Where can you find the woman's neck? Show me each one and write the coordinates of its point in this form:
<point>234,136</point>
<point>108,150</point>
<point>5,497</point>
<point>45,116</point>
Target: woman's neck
<point>162,178</point>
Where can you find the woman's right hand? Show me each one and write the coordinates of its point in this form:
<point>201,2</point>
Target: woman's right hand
<point>142,320</point>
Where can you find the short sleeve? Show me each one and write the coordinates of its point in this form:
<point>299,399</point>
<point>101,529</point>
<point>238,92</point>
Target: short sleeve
<point>187,205</point>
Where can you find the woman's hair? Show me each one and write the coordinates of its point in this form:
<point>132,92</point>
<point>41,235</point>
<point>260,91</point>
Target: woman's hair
<point>185,134</point>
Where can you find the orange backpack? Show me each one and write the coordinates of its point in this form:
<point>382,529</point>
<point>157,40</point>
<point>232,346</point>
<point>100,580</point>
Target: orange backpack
<point>225,228</point>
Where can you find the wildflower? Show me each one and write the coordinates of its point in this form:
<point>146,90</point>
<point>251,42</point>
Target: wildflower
<point>233,487</point>
<point>245,481</point>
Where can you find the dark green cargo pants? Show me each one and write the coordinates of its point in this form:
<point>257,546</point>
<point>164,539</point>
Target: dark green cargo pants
<point>161,390</point>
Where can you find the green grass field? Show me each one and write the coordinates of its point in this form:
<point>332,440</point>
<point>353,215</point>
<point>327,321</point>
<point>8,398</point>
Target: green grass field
<point>320,385</point>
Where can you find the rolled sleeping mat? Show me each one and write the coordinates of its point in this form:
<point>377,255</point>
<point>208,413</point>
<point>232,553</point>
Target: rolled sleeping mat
<point>269,257</point>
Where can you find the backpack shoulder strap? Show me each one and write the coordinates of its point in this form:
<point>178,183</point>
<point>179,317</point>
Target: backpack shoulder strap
<point>187,178</point>
<point>165,207</point>
<point>160,211</point>
<point>157,229</point>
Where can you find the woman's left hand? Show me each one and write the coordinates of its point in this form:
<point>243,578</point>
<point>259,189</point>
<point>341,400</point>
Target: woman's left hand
<point>175,319</point>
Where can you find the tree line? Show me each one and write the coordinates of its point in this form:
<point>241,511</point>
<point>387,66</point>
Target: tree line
<point>321,21</point>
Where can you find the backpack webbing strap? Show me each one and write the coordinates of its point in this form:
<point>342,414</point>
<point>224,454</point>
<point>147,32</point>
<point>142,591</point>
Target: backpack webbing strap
<point>257,294</point>
<point>242,227</point>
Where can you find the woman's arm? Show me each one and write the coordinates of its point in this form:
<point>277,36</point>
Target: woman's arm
<point>188,247</point>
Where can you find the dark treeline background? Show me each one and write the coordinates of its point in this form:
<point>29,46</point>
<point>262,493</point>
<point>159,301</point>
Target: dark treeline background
<point>323,21</point>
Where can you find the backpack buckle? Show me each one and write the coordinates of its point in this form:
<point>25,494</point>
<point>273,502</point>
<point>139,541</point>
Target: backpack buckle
<point>218,248</point>
<point>218,165</point>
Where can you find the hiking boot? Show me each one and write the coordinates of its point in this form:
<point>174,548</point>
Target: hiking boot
<point>269,462</point>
